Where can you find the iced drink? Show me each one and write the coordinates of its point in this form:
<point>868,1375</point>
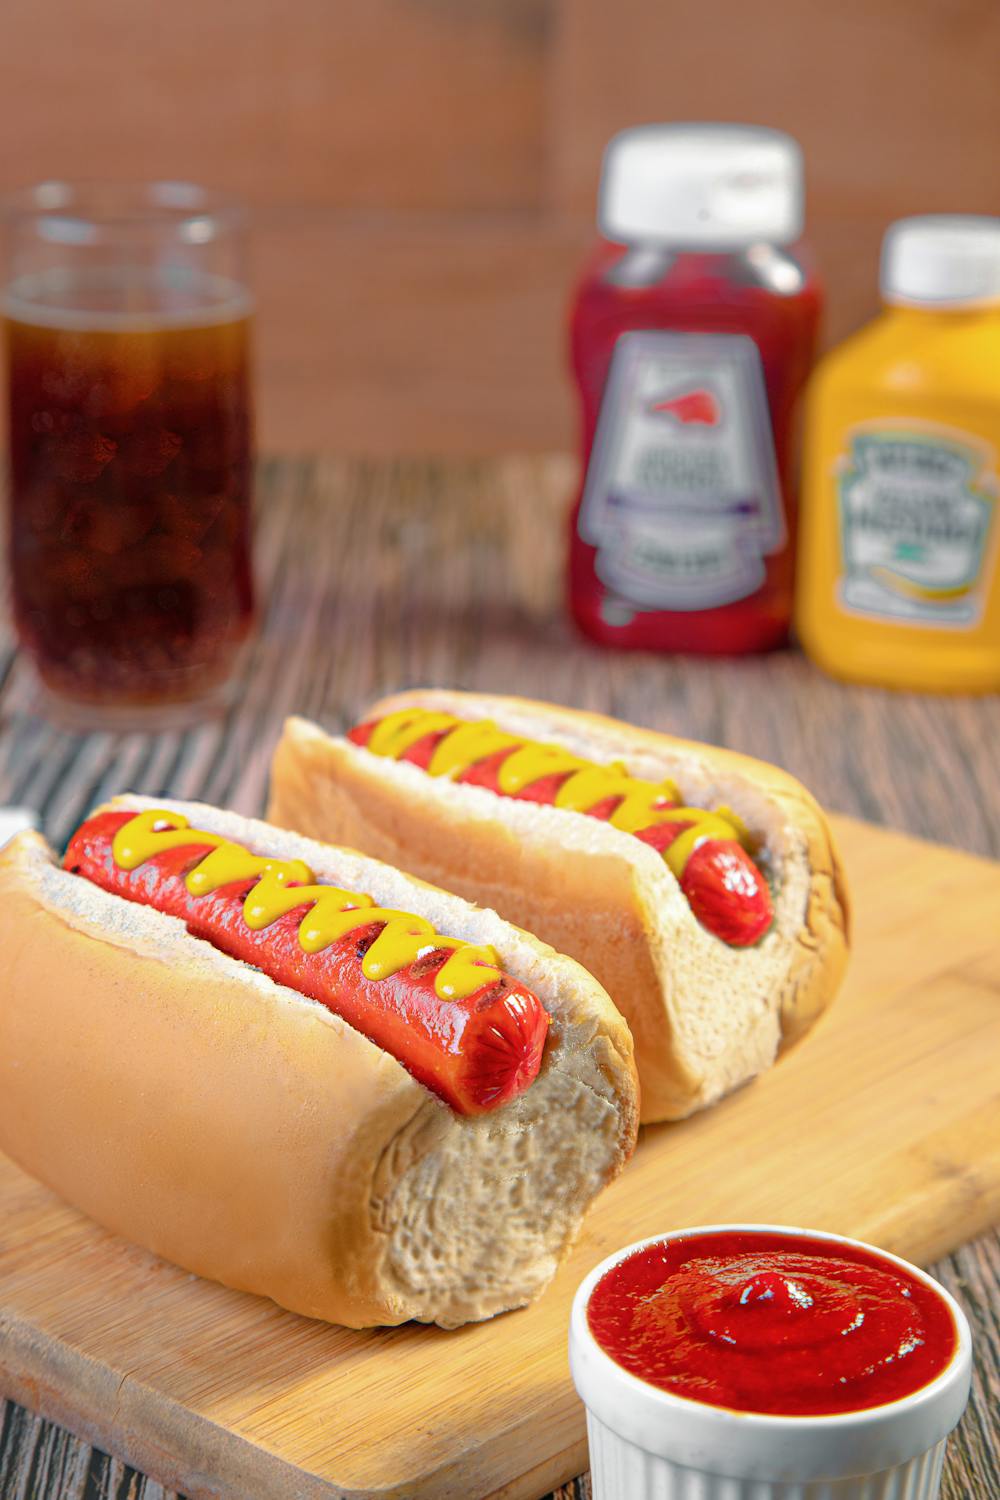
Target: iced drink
<point>130,452</point>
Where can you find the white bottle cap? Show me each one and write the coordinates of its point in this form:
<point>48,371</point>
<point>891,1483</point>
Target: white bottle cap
<point>701,185</point>
<point>941,259</point>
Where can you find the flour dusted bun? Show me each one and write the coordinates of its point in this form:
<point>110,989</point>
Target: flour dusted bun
<point>186,1101</point>
<point>705,1017</point>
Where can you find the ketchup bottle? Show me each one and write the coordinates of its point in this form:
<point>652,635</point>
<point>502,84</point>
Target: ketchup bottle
<point>693,332</point>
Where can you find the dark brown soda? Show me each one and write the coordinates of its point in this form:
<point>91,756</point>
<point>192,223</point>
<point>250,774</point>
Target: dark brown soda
<point>130,503</point>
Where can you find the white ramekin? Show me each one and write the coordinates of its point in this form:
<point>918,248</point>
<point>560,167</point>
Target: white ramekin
<point>646,1444</point>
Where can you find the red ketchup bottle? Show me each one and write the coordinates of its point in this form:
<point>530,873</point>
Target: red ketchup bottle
<point>693,332</point>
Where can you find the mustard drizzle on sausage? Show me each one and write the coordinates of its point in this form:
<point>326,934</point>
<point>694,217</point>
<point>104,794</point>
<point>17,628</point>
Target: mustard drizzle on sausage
<point>642,803</point>
<point>281,885</point>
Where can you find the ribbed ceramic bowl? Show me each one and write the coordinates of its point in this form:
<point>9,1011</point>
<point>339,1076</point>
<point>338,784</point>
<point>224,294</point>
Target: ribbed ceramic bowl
<point>647,1444</point>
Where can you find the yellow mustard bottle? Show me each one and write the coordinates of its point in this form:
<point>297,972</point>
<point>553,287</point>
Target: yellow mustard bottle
<point>898,579</point>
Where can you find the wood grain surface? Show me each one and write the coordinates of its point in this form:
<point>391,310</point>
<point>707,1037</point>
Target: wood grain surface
<point>422,173</point>
<point>379,575</point>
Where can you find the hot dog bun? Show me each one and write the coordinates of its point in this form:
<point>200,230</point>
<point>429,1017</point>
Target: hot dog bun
<point>184,1100</point>
<point>705,1017</point>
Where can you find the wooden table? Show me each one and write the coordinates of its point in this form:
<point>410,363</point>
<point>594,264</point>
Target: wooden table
<point>378,575</point>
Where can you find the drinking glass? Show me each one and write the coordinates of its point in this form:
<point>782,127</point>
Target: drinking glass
<point>127,330</point>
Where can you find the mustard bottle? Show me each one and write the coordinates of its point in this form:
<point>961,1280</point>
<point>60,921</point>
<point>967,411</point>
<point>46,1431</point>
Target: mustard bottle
<point>898,580</point>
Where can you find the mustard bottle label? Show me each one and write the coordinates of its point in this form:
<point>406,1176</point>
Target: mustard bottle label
<point>916,509</point>
<point>682,499</point>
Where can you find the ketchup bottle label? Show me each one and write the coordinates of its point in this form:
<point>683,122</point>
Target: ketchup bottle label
<point>915,517</point>
<point>682,499</point>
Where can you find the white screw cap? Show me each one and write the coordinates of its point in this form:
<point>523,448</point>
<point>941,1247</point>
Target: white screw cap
<point>701,185</point>
<point>938,260</point>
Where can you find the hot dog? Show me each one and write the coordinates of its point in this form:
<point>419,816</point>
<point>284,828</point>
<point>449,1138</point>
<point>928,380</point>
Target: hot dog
<point>702,888</point>
<point>300,1072</point>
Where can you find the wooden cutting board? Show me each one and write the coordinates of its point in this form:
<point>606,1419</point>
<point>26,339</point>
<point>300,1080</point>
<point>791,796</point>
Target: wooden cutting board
<point>884,1124</point>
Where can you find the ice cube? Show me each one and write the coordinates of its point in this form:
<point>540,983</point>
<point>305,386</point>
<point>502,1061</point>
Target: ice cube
<point>146,452</point>
<point>80,456</point>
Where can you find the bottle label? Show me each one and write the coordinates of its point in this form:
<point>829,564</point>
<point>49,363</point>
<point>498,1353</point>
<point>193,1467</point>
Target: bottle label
<point>682,499</point>
<point>916,502</point>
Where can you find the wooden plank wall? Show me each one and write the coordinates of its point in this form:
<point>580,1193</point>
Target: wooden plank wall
<point>422,172</point>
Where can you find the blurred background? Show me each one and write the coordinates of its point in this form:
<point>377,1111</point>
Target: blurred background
<point>422,173</point>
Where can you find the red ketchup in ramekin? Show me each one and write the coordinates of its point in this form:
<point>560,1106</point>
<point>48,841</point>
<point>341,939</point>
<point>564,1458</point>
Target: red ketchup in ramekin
<point>782,1324</point>
<point>739,1360</point>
